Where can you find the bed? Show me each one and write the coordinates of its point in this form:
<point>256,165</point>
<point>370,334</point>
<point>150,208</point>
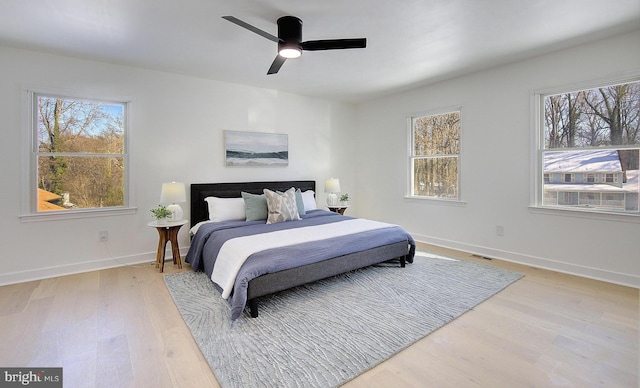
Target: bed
<point>338,243</point>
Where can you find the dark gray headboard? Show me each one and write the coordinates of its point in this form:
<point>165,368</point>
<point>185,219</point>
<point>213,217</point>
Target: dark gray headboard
<point>200,191</point>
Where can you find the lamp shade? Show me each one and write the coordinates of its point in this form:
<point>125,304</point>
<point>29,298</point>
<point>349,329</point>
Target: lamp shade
<point>332,185</point>
<point>173,192</point>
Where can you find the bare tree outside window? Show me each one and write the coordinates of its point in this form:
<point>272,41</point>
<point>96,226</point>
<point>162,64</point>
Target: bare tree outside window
<point>435,155</point>
<point>597,117</point>
<point>80,153</point>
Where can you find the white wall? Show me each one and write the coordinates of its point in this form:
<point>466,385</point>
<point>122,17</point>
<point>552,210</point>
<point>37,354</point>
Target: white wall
<point>177,126</point>
<point>177,132</point>
<point>495,167</point>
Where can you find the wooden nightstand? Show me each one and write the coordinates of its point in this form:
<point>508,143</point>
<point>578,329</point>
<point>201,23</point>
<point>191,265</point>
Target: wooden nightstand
<point>338,209</point>
<point>168,232</point>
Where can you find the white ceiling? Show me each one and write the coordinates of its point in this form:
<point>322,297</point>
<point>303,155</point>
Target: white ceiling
<point>409,42</point>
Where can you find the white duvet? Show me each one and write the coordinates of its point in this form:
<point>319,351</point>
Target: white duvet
<point>236,251</point>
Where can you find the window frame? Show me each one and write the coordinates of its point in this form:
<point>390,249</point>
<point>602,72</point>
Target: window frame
<point>29,206</point>
<point>411,157</point>
<point>537,150</point>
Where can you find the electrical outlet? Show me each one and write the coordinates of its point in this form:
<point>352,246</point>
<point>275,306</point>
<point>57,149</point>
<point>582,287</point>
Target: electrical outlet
<point>103,236</point>
<point>500,230</point>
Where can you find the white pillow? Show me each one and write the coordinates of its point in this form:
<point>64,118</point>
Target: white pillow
<point>282,207</point>
<point>226,209</point>
<point>309,200</point>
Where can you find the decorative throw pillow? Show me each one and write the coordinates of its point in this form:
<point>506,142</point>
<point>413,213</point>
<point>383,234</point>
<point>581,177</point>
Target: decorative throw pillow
<point>255,206</point>
<point>281,207</point>
<point>299,202</point>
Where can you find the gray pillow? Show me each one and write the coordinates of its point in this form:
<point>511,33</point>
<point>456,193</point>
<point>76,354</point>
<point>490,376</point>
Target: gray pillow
<point>255,206</point>
<point>300,203</point>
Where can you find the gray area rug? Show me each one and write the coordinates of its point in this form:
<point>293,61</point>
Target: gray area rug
<point>326,333</point>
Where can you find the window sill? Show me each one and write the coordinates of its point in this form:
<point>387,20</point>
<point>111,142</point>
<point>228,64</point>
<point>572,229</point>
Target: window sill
<point>439,201</point>
<point>74,214</point>
<point>589,214</point>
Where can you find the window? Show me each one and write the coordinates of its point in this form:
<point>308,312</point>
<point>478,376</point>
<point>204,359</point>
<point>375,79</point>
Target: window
<point>568,198</point>
<point>594,135</point>
<point>434,156</point>
<point>79,154</point>
<point>614,199</point>
<point>587,198</point>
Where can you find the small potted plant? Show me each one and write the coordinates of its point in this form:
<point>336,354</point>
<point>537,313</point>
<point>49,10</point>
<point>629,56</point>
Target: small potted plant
<point>161,214</point>
<point>344,199</point>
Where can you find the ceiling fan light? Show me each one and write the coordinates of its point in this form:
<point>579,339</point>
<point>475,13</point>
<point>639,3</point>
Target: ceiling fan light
<point>290,52</point>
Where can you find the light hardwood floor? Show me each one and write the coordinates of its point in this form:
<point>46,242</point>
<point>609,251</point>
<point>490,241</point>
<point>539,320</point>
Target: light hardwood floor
<point>120,328</point>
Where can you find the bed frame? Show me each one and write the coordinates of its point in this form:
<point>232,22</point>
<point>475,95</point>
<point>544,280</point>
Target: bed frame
<point>279,281</point>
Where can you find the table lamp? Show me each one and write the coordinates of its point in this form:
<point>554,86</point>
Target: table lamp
<point>173,192</point>
<point>332,186</point>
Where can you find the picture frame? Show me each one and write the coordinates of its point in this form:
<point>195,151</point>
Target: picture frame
<point>256,149</point>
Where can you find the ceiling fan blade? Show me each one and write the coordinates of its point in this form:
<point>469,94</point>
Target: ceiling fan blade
<point>276,65</point>
<point>334,44</point>
<point>251,28</point>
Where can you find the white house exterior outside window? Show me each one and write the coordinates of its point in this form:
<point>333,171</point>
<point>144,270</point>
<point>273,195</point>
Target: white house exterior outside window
<point>582,190</point>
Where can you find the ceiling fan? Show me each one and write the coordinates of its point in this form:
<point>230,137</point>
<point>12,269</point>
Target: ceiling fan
<point>289,39</point>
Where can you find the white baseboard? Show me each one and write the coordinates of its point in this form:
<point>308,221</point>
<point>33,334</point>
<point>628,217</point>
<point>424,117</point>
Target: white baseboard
<point>538,262</point>
<point>149,257</point>
<point>88,266</point>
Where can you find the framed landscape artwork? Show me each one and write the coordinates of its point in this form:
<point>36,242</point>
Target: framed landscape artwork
<point>256,149</point>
